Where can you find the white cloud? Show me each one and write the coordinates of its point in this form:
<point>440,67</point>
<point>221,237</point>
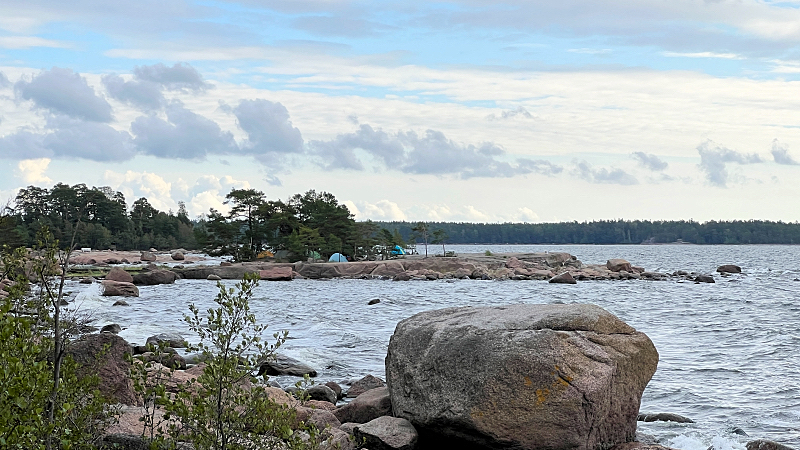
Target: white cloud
<point>383,210</point>
<point>203,201</point>
<point>26,42</point>
<point>134,185</point>
<point>32,171</point>
<point>526,215</point>
<point>702,55</point>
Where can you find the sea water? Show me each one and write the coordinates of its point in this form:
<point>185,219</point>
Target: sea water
<point>729,351</point>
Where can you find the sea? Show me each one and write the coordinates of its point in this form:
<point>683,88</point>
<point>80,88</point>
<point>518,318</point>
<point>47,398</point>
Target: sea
<point>729,351</point>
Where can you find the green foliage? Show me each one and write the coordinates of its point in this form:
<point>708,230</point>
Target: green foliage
<point>102,214</point>
<point>44,404</point>
<point>149,383</point>
<point>226,407</point>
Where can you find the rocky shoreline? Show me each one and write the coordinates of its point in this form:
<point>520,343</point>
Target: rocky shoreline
<point>508,266</point>
<point>515,376</point>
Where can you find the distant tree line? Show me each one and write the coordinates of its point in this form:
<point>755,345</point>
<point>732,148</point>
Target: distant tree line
<point>315,224</point>
<point>610,232</point>
<point>101,216</point>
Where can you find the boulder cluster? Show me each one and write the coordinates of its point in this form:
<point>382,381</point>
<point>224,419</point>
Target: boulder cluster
<point>524,376</point>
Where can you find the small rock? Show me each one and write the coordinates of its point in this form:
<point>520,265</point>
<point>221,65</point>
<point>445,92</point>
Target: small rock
<point>322,392</point>
<point>762,444</point>
<point>368,406</point>
<point>120,303</point>
<point>119,288</point>
<point>148,256</point>
<point>171,360</point>
<point>111,328</point>
<point>154,277</point>
<point>615,265</point>
<point>226,264</point>
<point>387,433</point>
<point>729,268</point>
<point>374,301</point>
<point>363,385</point>
<point>663,417</point>
<point>336,389</point>
<point>213,277</point>
<point>178,256</point>
<point>87,280</point>
<point>563,278</point>
<point>284,365</point>
<point>704,279</point>
<point>173,340</point>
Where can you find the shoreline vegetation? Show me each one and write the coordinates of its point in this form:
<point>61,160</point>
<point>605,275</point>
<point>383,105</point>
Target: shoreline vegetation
<point>315,225</point>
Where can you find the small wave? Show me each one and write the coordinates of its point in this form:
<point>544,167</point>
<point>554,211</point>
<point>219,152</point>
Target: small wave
<point>693,442</point>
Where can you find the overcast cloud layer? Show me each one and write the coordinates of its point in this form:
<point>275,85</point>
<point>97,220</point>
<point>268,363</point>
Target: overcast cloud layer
<point>477,111</point>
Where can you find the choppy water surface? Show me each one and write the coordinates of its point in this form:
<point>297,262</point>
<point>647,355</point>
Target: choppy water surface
<point>729,352</point>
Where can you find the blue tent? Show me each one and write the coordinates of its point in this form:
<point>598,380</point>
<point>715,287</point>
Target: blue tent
<point>397,250</point>
<point>337,257</point>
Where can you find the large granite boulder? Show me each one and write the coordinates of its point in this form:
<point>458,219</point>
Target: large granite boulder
<point>154,277</point>
<point>119,289</point>
<point>104,355</point>
<point>519,376</point>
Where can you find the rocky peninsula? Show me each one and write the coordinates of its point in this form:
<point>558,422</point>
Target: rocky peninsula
<point>556,267</point>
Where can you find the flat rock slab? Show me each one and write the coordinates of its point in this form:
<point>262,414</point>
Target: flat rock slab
<point>485,377</point>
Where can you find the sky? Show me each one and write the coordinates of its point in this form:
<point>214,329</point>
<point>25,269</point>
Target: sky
<point>464,111</point>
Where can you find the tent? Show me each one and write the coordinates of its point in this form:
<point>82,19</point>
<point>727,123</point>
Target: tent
<point>337,257</point>
<point>397,250</point>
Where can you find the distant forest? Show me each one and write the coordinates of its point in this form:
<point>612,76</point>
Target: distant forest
<point>316,224</point>
<point>611,232</point>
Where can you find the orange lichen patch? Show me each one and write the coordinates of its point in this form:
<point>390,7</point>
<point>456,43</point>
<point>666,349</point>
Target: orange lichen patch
<point>541,395</point>
<point>528,382</point>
